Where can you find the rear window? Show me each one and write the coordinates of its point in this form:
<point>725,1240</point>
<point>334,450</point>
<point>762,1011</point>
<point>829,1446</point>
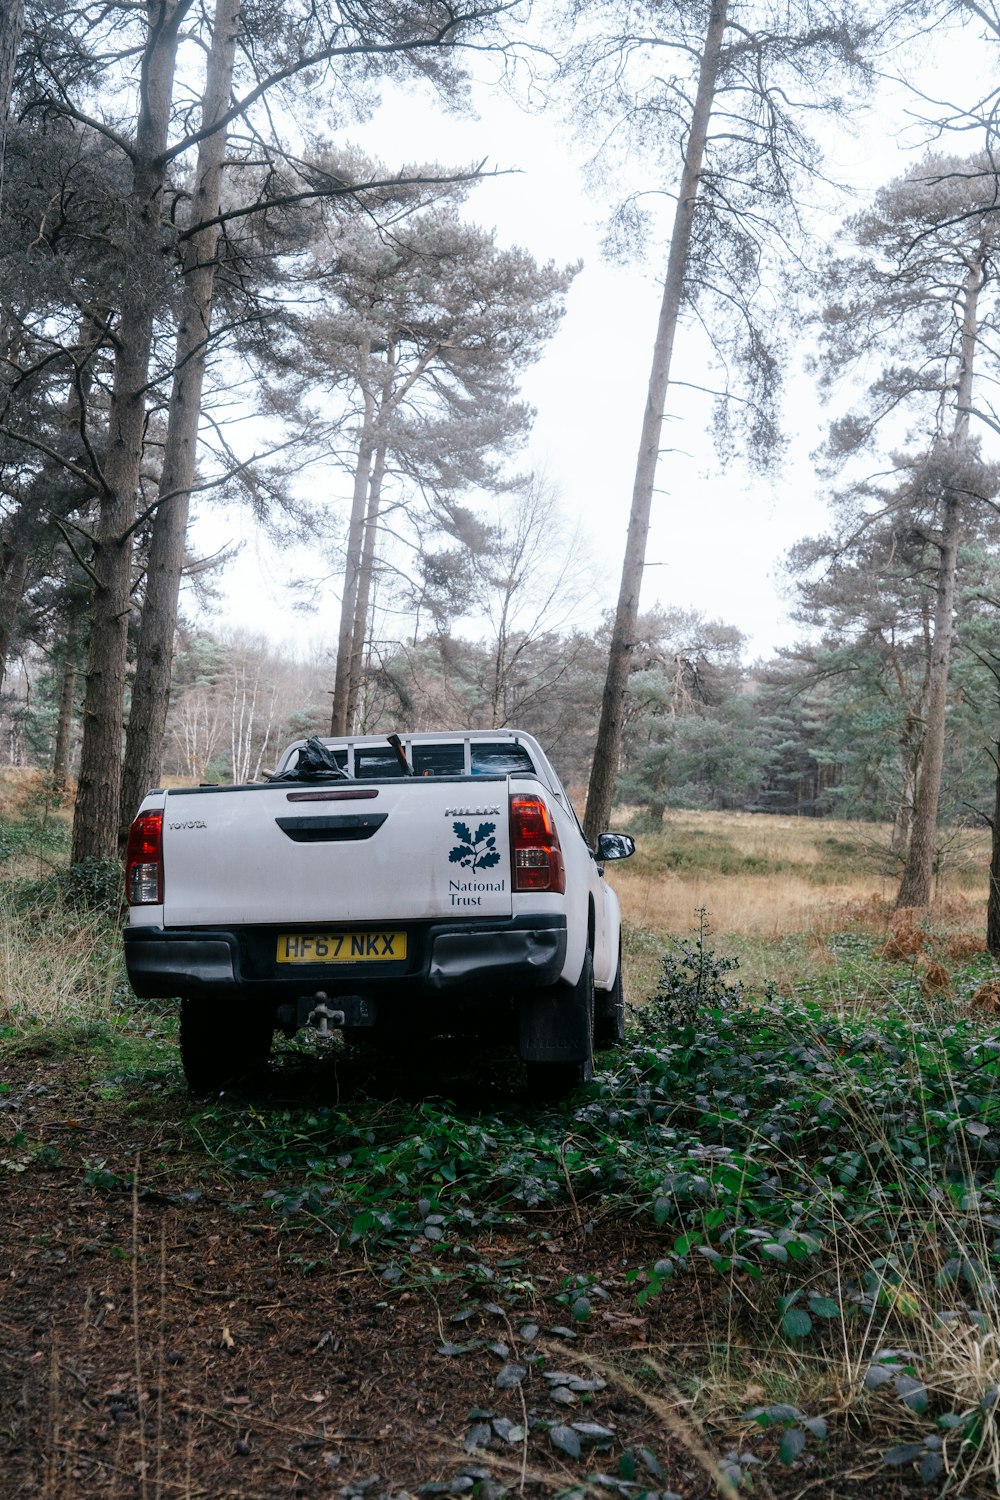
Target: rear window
<point>438,760</point>
<point>487,758</point>
<point>499,760</point>
<point>377,762</point>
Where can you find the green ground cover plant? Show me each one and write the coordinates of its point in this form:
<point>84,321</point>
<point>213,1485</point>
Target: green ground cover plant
<point>839,1171</point>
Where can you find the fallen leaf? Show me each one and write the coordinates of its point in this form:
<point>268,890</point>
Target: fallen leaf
<point>565,1439</point>
<point>623,1320</point>
<point>228,1342</point>
<point>593,1431</point>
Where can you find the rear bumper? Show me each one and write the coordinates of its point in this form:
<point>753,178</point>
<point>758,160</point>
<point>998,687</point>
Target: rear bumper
<point>441,957</point>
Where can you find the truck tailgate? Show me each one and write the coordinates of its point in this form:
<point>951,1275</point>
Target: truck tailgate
<point>408,849</point>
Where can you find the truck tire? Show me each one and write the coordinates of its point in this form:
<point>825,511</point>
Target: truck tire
<point>223,1042</point>
<point>553,1080</point>
<point>609,1012</point>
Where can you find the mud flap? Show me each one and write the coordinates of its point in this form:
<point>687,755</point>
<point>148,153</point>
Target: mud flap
<point>553,1026</point>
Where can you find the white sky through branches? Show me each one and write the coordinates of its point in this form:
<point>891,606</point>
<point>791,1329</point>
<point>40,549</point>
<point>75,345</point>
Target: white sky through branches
<point>717,536</point>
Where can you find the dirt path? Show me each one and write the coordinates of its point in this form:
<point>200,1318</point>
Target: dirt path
<point>161,1336</point>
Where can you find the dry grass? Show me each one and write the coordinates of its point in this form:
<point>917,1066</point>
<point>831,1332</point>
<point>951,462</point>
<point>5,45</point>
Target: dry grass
<point>20,787</point>
<point>71,967</point>
<point>761,905</point>
<point>792,875</point>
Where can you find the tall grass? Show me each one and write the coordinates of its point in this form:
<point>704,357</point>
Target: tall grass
<point>57,962</point>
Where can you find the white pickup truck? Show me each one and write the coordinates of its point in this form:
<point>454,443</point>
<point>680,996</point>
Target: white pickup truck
<point>395,887</point>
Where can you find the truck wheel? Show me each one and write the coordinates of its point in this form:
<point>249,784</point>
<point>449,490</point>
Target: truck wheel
<point>553,1080</point>
<point>223,1043</point>
<point>609,1012</point>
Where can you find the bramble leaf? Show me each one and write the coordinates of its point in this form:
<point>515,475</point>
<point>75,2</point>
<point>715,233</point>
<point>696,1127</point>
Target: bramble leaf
<point>796,1324</point>
<point>902,1453</point>
<point>792,1445</point>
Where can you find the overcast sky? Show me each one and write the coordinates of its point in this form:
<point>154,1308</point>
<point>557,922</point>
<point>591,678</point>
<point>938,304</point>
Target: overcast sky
<point>716,536</point>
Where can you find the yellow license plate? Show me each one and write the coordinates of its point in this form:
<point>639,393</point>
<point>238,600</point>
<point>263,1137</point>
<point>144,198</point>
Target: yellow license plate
<point>341,947</point>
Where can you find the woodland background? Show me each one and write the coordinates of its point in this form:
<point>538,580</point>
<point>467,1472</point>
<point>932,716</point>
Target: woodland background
<point>210,294</point>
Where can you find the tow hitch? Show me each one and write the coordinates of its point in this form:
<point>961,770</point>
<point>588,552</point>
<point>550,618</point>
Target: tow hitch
<point>322,1017</point>
<point>326,1015</point>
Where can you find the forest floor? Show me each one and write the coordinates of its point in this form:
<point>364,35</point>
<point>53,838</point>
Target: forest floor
<point>164,1333</point>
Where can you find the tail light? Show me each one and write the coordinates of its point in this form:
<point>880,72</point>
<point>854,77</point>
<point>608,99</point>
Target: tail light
<point>534,843</point>
<point>144,860</point>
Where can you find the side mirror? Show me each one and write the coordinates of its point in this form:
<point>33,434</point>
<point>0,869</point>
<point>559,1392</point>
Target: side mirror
<point>614,846</point>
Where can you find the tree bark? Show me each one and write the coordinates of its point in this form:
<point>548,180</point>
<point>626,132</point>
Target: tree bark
<point>360,635</point>
<point>339,721</point>
<point>11,31</point>
<point>61,755</point>
<point>902,824</point>
<point>16,555</point>
<point>95,823</point>
<point>918,872</point>
<point>607,751</point>
<point>154,664</point>
<point>993,899</point>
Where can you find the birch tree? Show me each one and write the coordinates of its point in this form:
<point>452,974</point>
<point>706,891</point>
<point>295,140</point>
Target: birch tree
<point>718,81</point>
<point>525,584</point>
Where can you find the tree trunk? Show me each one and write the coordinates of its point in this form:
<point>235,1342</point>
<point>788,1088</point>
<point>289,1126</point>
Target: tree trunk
<point>902,823</point>
<point>154,664</point>
<point>11,31</point>
<point>12,583</point>
<point>918,872</point>
<point>95,824</point>
<point>993,900</point>
<point>64,725</point>
<point>360,635</point>
<point>352,568</point>
<point>607,751</point>
<point>500,663</point>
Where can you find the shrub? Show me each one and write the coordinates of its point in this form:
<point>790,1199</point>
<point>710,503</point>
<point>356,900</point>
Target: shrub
<point>92,887</point>
<point>693,982</point>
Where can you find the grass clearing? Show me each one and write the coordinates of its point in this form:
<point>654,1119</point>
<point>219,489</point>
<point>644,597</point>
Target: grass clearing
<point>777,888</point>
